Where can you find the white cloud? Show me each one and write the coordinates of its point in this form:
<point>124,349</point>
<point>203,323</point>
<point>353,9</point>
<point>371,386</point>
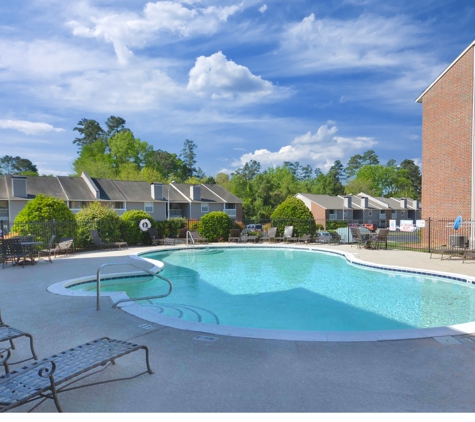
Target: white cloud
<point>365,42</point>
<point>217,77</point>
<point>320,149</point>
<point>162,19</point>
<point>30,128</point>
<point>263,8</point>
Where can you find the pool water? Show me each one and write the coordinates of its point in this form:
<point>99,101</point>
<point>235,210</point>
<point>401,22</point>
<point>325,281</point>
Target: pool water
<point>289,289</point>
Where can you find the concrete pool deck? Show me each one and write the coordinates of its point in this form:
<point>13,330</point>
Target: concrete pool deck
<point>233,374</point>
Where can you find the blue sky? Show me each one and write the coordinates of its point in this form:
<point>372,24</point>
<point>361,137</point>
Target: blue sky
<point>273,81</point>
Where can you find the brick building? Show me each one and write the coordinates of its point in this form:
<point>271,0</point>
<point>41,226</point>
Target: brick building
<point>448,141</point>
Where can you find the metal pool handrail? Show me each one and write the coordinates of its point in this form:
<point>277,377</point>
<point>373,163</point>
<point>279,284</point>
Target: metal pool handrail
<point>188,233</point>
<point>133,299</point>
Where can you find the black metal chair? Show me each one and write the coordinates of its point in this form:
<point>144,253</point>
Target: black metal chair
<point>49,250</point>
<point>13,251</point>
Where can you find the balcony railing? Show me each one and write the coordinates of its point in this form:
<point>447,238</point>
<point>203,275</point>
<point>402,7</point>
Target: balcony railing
<point>231,213</point>
<point>176,214</point>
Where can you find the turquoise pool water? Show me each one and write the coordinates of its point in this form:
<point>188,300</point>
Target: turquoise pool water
<point>288,289</point>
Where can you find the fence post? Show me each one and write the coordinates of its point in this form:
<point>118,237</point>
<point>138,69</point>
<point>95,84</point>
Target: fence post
<point>429,235</point>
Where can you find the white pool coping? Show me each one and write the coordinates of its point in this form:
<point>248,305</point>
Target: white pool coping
<point>61,288</point>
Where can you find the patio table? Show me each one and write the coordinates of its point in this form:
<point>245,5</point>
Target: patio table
<point>30,247</point>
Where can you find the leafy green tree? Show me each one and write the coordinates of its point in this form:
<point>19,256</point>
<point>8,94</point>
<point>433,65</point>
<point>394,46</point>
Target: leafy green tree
<point>43,209</point>
<point>369,158</point>
<point>222,179</point>
<point>386,181</point>
<point>414,175</point>
<point>94,160</point>
<point>114,125</point>
<point>293,212</point>
<point>188,155</point>
<point>17,166</point>
<point>97,217</point>
<point>167,164</point>
<point>215,226</point>
<point>91,132</point>
<point>126,149</point>
<point>250,170</point>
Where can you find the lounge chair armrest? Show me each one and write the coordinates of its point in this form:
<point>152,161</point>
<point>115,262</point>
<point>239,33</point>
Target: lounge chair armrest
<point>4,356</point>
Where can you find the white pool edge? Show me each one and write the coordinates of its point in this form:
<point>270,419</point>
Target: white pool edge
<point>61,288</point>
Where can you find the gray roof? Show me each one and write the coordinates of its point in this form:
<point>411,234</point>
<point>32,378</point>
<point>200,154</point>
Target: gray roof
<point>326,201</point>
<point>79,189</point>
<point>219,191</point>
<point>75,188</point>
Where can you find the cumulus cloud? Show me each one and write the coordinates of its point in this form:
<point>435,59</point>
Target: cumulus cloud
<point>263,8</point>
<point>161,19</point>
<point>320,149</point>
<point>30,128</point>
<point>217,77</point>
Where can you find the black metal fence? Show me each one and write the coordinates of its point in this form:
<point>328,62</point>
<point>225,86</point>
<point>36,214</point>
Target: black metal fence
<point>429,234</point>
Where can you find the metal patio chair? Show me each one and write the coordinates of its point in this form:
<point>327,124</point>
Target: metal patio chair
<point>41,380</point>
<point>98,243</point>
<point>9,334</point>
<point>13,251</point>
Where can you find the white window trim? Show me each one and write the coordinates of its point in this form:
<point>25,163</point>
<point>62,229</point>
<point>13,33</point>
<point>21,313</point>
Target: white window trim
<point>204,208</point>
<point>145,207</point>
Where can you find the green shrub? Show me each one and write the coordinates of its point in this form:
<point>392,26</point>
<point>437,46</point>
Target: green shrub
<point>97,217</point>
<point>293,212</point>
<point>215,226</point>
<point>43,209</point>
<point>131,230</point>
<point>333,225</point>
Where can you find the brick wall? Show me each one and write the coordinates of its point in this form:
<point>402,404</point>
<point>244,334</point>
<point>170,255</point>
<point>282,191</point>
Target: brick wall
<point>447,143</point>
<point>319,214</point>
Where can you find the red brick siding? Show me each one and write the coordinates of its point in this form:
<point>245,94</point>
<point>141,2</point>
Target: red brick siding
<point>319,214</point>
<point>447,143</point>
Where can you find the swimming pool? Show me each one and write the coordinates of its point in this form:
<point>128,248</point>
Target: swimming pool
<point>297,290</point>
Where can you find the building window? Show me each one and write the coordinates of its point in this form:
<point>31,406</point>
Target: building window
<point>229,206</point>
<point>77,205</point>
<point>204,208</point>
<point>3,210</point>
<point>333,215</point>
<point>119,206</point>
<point>148,207</point>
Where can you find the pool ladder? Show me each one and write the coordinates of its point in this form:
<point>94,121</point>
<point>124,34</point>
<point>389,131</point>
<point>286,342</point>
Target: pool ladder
<point>189,236</point>
<point>133,299</point>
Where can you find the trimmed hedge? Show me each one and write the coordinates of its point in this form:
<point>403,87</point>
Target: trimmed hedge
<point>293,212</point>
<point>215,226</point>
<point>131,230</point>
<point>97,217</point>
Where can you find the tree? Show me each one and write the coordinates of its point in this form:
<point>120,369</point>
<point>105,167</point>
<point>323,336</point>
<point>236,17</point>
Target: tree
<point>250,170</point>
<point>125,148</point>
<point>165,163</point>
<point>332,181</point>
<point>43,209</point>
<point>188,156</point>
<point>97,217</point>
<point>17,166</point>
<point>114,125</point>
<point>215,226</point>
<point>414,175</point>
<point>385,181</point>
<point>369,158</point>
<point>294,212</point>
<point>91,132</point>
